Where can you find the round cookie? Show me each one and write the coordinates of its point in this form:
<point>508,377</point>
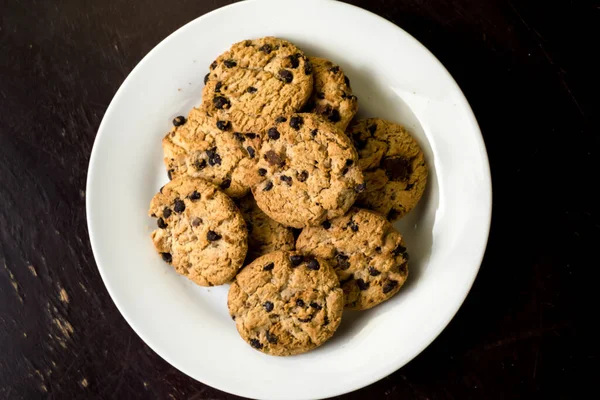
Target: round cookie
<point>368,255</point>
<point>210,146</point>
<point>307,171</point>
<point>332,95</point>
<point>200,231</point>
<point>285,304</point>
<point>393,165</point>
<point>264,234</point>
<point>264,77</point>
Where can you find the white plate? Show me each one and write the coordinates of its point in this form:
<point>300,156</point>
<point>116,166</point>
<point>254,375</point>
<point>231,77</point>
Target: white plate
<point>395,78</point>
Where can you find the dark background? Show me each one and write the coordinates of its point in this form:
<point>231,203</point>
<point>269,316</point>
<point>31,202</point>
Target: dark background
<point>527,68</point>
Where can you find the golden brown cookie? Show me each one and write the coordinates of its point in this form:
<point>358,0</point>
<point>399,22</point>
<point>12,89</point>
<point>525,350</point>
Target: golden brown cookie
<point>332,95</point>
<point>200,231</point>
<point>307,171</point>
<point>393,165</point>
<point>284,303</point>
<point>368,255</point>
<point>264,77</point>
<point>264,234</point>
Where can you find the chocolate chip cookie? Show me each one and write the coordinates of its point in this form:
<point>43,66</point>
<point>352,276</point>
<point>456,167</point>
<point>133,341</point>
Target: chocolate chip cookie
<point>284,303</point>
<point>264,234</point>
<point>218,148</point>
<point>307,171</point>
<point>200,231</point>
<point>332,95</point>
<point>368,254</point>
<point>264,77</point>
<point>393,165</point>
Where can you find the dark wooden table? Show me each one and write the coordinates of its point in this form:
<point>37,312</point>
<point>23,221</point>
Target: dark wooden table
<point>528,70</point>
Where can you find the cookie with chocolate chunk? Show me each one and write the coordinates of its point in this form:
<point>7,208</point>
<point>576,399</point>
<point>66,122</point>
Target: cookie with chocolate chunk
<point>393,165</point>
<point>368,254</point>
<point>284,303</point>
<point>200,231</point>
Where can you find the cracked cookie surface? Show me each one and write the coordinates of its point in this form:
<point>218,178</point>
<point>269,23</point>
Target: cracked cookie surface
<point>332,95</point>
<point>284,303</point>
<point>264,234</point>
<point>367,253</point>
<point>264,77</point>
<point>393,165</point>
<point>201,232</point>
<point>307,171</point>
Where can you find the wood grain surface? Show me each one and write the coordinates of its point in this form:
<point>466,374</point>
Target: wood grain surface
<point>528,69</point>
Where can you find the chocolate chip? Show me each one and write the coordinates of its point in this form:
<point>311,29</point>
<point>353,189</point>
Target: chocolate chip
<point>166,212</point>
<point>250,135</point>
<point>349,162</point>
<point>239,136</point>
<point>326,224</point>
<point>268,186</point>
<point>397,168</point>
<point>256,344</point>
<point>212,236</point>
<point>280,119</point>
<point>320,95</point>
<point>269,267</point>
<point>362,285</point>
<point>389,286</point>
<point>307,319</point>
<point>300,303</point>
<point>194,195</point>
<point>223,125</point>
<point>294,62</point>
<point>326,321</point>
<point>334,115</point>
<point>262,171</point>
<point>167,257</point>
<point>179,206</point>
<point>229,63</point>
<point>178,121</point>
<point>213,157</point>
<point>271,338</point>
<point>196,221</point>
<point>221,102</point>
<point>302,176</point>
<point>274,158</point>
<point>286,75</point>
<point>316,306</point>
<point>344,171</point>
<point>206,78</point>
<point>342,261</point>
<point>273,133</point>
<point>213,65</point>
<point>402,268</point>
<point>347,81</point>
<point>218,87</point>
<point>334,69</point>
<point>161,189</point>
<point>353,226</point>
<point>372,129</point>
<point>399,250</point>
<point>268,306</point>
<point>200,164</point>
<point>360,144</point>
<point>251,151</point>
<point>286,179</point>
<point>161,223</point>
<point>409,186</point>
<point>313,264</point>
<point>405,255</point>
<point>307,67</point>
<point>361,188</point>
<point>170,174</point>
<point>266,48</point>
<point>225,184</point>
<point>378,249</point>
<point>373,271</point>
<point>252,89</point>
<point>296,260</point>
<point>248,43</point>
<point>314,132</point>
<point>296,122</point>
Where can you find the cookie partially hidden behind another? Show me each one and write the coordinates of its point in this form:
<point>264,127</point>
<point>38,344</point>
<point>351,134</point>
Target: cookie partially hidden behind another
<point>264,234</point>
<point>332,95</point>
<point>284,303</point>
<point>201,233</point>
<point>368,254</point>
<point>307,171</point>
<point>393,165</point>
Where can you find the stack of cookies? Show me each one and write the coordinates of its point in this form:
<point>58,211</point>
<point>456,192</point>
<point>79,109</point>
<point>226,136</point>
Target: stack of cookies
<point>271,153</point>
